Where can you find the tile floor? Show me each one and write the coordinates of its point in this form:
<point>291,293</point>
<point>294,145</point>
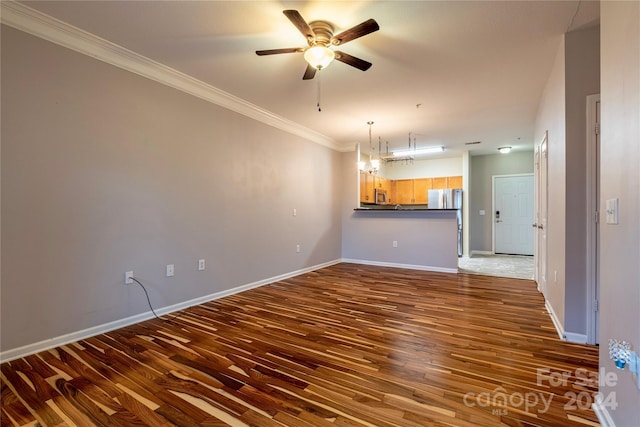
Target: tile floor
<point>517,266</point>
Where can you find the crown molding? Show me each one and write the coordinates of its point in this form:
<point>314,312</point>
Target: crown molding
<point>41,25</point>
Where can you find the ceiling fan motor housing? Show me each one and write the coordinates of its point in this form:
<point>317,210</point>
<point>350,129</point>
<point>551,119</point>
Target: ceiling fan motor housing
<point>323,31</point>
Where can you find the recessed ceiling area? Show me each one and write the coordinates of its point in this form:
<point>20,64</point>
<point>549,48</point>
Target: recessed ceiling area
<point>449,72</point>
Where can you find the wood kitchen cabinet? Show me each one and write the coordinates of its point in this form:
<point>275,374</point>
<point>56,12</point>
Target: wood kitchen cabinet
<point>382,183</point>
<point>421,187</point>
<point>404,191</point>
<point>440,183</point>
<point>454,182</point>
<point>366,187</point>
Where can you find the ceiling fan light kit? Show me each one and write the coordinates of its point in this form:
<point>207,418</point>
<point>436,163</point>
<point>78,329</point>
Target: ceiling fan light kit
<point>319,57</point>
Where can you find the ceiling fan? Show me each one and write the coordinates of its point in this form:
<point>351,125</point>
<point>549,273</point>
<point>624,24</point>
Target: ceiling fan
<point>320,37</point>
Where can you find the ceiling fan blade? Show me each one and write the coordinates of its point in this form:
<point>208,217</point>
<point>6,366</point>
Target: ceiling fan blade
<point>277,51</point>
<point>302,26</point>
<point>362,29</point>
<point>309,73</point>
<point>360,64</point>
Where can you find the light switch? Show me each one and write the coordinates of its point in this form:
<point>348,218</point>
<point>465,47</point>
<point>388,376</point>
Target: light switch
<point>612,211</point>
<point>482,212</point>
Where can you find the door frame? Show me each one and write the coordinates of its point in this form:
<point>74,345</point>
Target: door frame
<point>493,204</point>
<point>593,217</point>
<point>541,246</point>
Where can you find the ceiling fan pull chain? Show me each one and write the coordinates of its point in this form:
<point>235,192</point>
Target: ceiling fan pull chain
<point>318,105</point>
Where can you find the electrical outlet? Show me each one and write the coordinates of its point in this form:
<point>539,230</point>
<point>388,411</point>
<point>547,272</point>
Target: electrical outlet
<point>395,243</point>
<point>169,270</point>
<point>297,248</point>
<point>128,277</point>
<point>295,212</point>
<point>200,264</point>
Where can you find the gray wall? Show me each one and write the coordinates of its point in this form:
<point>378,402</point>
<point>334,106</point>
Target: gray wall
<point>104,171</point>
<point>582,77</point>
<point>551,117</point>
<point>483,168</point>
<point>425,239</point>
<point>562,113</point>
<point>620,244</point>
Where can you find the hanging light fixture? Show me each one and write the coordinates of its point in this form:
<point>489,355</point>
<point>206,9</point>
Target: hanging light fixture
<point>504,150</point>
<point>374,164</point>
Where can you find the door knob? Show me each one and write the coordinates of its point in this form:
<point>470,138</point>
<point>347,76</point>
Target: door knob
<point>541,227</point>
<point>534,225</point>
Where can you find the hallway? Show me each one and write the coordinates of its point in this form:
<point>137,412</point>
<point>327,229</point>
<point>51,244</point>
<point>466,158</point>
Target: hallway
<point>516,266</point>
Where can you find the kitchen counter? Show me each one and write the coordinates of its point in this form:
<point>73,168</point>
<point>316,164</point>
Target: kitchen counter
<point>401,209</point>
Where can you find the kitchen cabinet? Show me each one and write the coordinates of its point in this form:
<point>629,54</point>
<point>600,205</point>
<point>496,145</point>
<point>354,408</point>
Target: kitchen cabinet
<point>367,183</point>
<point>384,184</point>
<point>454,182</point>
<point>439,183</point>
<point>421,187</point>
<point>404,191</point>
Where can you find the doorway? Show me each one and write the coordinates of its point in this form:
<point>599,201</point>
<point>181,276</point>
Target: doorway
<point>540,226</point>
<point>513,212</point>
<point>593,224</point>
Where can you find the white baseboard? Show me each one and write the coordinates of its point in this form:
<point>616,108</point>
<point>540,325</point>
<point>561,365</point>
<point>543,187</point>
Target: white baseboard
<point>555,320</point>
<point>603,415</point>
<point>474,252</point>
<point>564,335</point>
<point>47,344</point>
<point>575,338</point>
<point>396,265</point>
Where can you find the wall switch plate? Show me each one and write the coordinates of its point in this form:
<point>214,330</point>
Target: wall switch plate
<point>395,243</point>
<point>169,270</point>
<point>297,248</point>
<point>128,277</point>
<point>295,212</point>
<point>200,264</point>
<point>612,206</point>
<point>482,212</point>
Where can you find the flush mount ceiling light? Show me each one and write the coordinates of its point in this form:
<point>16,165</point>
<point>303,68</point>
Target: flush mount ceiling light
<point>417,151</point>
<point>504,150</point>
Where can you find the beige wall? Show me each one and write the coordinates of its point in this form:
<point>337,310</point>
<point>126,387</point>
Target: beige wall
<point>620,178</point>
<point>551,117</point>
<point>104,171</point>
<point>483,168</point>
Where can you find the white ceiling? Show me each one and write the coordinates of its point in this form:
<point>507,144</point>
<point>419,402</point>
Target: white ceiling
<point>476,69</point>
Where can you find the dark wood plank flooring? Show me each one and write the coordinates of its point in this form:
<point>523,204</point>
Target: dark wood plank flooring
<point>348,345</point>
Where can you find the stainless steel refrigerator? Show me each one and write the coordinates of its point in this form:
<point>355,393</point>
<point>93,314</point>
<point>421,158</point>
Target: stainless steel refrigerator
<point>448,199</point>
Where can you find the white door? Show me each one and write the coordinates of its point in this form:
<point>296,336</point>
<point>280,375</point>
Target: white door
<point>541,216</point>
<point>513,214</point>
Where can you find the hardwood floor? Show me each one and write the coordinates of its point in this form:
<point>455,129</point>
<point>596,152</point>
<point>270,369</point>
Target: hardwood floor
<point>348,345</point>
